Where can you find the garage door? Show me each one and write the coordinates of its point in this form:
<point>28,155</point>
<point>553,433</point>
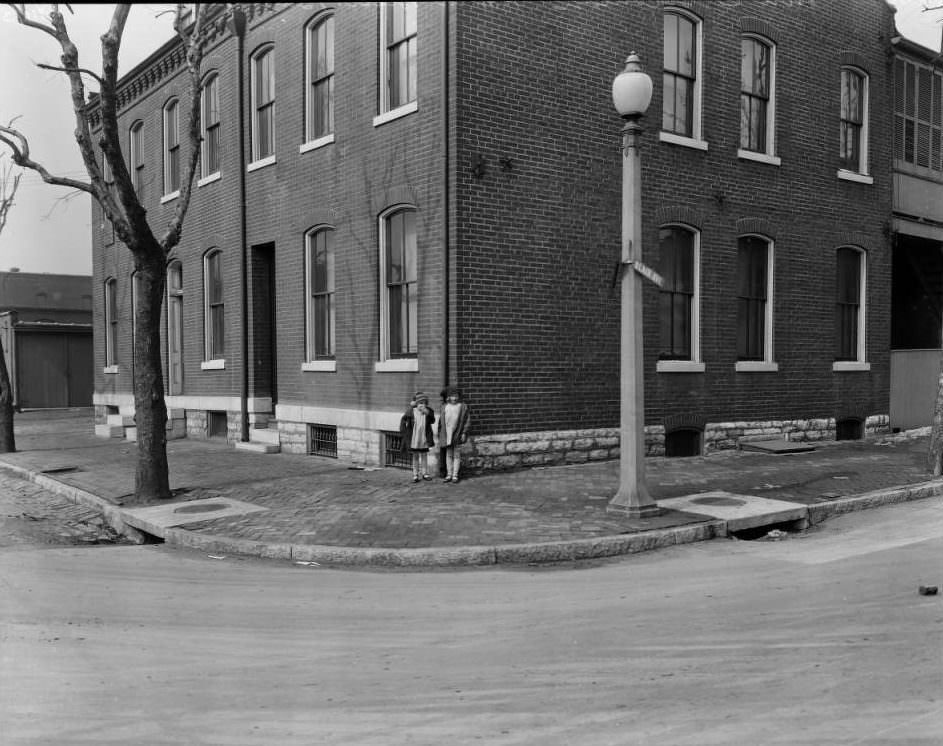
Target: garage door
<point>53,370</point>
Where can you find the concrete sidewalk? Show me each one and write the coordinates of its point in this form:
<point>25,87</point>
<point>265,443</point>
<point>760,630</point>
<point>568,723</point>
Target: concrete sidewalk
<point>316,509</point>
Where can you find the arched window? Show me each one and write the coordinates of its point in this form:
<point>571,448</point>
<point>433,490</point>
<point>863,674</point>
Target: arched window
<point>681,79</point>
<point>214,310</point>
<point>757,100</point>
<point>678,297</point>
<point>399,300</point>
<point>111,322</point>
<point>171,149</point>
<point>263,104</point>
<point>754,300</point>
<point>850,294</point>
<point>136,151</point>
<point>319,300</point>
<point>209,122</point>
<point>853,140</point>
<point>175,327</point>
<point>319,89</point>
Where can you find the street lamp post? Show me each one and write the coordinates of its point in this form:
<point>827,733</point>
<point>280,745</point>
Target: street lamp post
<point>631,94</point>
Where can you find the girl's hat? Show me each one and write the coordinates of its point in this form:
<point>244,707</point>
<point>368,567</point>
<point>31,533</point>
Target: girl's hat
<point>452,390</point>
<point>420,397</point>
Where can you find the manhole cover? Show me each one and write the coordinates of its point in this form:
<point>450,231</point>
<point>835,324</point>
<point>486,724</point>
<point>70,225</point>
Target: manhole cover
<point>203,508</point>
<point>718,501</point>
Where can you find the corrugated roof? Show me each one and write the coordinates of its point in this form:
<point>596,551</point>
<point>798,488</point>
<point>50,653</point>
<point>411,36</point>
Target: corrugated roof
<point>20,290</point>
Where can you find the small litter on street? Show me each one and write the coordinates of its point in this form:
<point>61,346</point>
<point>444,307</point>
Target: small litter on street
<point>216,556</point>
<point>776,535</point>
<point>309,564</point>
<point>928,590</point>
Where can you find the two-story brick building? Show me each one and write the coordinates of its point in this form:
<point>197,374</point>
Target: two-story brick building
<point>396,196</point>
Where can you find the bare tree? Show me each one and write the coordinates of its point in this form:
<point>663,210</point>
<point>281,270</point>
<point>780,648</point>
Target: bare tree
<point>8,186</point>
<point>121,206</point>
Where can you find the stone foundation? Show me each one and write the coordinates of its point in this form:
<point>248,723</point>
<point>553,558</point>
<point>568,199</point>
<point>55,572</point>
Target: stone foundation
<point>364,447</point>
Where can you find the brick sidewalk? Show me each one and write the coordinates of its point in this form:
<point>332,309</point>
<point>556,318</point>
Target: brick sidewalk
<point>320,501</point>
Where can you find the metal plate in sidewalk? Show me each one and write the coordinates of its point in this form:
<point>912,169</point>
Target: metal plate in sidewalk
<point>192,511</point>
<point>740,511</point>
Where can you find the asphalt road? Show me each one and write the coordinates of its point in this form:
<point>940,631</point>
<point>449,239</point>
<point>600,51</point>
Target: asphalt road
<point>818,640</point>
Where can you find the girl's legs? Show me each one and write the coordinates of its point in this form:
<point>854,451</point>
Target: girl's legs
<point>424,464</point>
<point>452,461</point>
<point>456,461</point>
<point>416,456</point>
<point>447,456</point>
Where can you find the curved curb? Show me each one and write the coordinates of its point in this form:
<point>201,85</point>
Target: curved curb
<point>462,556</point>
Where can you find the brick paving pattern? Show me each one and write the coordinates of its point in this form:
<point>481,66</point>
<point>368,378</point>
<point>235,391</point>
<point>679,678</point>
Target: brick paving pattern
<point>322,501</point>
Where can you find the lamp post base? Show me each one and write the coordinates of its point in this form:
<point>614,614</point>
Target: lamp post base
<point>631,506</point>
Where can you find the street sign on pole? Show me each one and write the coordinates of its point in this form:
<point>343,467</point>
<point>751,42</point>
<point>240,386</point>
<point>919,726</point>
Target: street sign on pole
<point>648,273</point>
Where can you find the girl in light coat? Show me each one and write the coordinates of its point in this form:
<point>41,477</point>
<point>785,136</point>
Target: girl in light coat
<point>453,431</point>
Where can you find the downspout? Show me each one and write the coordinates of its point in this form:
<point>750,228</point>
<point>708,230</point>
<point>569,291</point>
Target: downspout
<point>237,21</point>
<point>445,194</point>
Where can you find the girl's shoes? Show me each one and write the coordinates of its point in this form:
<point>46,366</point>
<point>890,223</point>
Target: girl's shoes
<point>447,478</point>
<point>427,477</point>
<point>415,478</point>
<point>454,480</point>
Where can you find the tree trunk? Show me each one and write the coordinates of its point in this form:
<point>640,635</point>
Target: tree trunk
<point>7,441</point>
<point>152,480</point>
<point>935,454</point>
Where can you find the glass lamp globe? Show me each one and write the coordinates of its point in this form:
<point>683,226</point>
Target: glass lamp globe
<point>632,89</point>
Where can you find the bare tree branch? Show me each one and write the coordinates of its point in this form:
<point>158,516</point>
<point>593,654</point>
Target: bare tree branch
<point>192,39</point>
<point>7,193</point>
<point>21,17</point>
<point>82,70</point>
<point>19,154</point>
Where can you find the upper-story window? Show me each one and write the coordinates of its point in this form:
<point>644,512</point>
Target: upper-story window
<point>398,68</point>
<point>111,322</point>
<point>320,296</point>
<point>757,101</point>
<point>853,134</point>
<point>850,305</point>
<point>319,91</point>
<point>136,152</point>
<point>209,121</point>
<point>681,79</point>
<point>171,148</point>
<point>918,115</point>
<point>263,104</point>
<point>214,331</point>
<point>678,297</point>
<point>754,299</point>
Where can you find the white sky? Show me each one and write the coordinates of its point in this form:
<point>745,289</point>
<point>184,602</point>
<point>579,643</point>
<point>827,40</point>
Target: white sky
<point>45,233</point>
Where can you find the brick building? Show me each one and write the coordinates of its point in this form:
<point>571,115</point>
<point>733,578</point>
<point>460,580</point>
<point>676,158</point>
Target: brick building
<point>433,195</point>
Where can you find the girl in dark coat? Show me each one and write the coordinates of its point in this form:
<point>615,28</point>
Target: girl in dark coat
<point>416,434</point>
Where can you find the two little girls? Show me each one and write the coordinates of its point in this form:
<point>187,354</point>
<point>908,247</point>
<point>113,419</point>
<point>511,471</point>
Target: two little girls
<point>417,433</point>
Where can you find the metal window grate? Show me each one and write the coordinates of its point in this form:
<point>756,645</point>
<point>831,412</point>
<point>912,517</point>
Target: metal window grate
<point>322,440</point>
<point>392,453</point>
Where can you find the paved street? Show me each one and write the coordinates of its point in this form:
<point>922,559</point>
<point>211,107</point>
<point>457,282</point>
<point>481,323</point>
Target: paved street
<point>818,639</point>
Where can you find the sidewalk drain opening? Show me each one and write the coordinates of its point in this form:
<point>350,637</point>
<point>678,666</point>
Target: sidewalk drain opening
<point>771,531</point>
<point>202,508</point>
<point>61,470</point>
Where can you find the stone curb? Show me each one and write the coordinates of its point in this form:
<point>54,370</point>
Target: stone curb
<point>461,556</point>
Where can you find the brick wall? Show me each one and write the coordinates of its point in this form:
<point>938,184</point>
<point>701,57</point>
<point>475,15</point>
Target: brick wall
<point>538,335</point>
